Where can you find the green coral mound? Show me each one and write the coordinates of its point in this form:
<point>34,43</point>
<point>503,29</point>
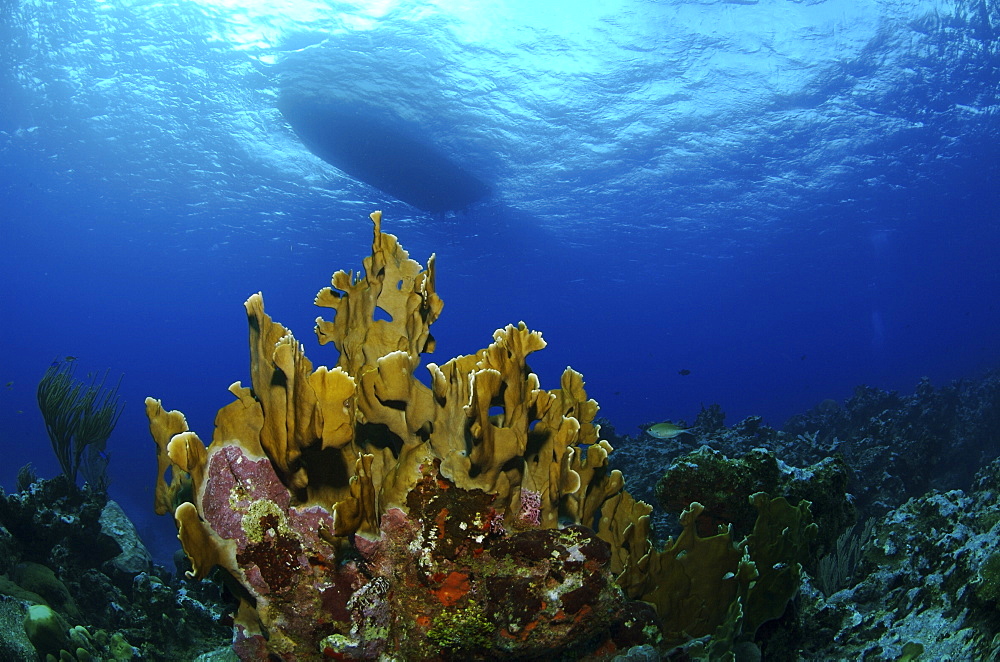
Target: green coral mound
<point>46,629</point>
<point>778,546</point>
<point>461,629</point>
<point>988,586</point>
<point>725,487</point>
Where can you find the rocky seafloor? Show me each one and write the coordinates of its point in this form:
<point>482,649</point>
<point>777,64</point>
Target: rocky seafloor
<point>905,564</point>
<point>906,492</point>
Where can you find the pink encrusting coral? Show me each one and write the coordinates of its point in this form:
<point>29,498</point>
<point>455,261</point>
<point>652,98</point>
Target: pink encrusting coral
<point>531,507</point>
<point>281,555</point>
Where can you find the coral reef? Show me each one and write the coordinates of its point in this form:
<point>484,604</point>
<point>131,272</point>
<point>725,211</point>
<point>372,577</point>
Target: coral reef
<point>876,454</point>
<point>344,500</point>
<point>724,486</point>
<point>928,577</point>
<point>901,446</point>
<point>367,511</point>
<point>341,502</point>
<point>77,583</point>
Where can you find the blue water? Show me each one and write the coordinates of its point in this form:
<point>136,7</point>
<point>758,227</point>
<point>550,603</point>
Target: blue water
<point>786,199</point>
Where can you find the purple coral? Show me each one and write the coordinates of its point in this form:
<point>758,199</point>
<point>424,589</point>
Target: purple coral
<point>495,525</point>
<point>531,507</point>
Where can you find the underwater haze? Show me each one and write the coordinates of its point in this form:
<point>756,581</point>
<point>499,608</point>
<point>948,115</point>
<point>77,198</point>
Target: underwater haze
<point>755,204</point>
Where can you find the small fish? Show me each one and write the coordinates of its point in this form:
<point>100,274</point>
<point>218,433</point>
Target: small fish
<point>666,430</point>
<point>683,371</point>
<point>71,358</point>
<point>10,385</point>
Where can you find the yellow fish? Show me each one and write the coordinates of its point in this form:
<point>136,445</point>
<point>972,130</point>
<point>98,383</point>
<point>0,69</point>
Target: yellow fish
<point>666,430</point>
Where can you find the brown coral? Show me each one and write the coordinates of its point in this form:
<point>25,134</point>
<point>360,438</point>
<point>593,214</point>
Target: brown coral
<point>303,495</point>
<point>357,439</point>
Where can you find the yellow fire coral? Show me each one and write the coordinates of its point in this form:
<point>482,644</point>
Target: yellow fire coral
<point>306,463</point>
<point>371,404</point>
